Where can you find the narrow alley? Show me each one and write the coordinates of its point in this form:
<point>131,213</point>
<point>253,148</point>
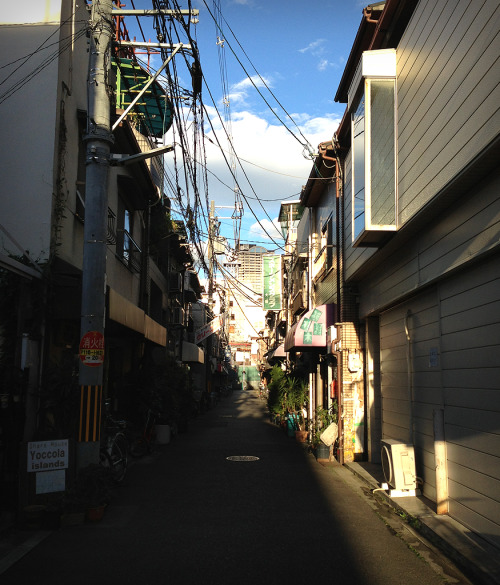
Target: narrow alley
<point>234,500</point>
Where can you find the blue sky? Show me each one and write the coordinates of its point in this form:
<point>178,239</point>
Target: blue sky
<point>299,49</point>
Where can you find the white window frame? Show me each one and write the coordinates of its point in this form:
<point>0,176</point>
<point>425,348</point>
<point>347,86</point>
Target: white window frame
<point>375,66</point>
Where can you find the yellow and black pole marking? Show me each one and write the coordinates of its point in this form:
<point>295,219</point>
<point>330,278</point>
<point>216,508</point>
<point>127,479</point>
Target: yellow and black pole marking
<point>90,413</point>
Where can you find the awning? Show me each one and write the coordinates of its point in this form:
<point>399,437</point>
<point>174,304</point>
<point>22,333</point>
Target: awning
<point>309,333</point>
<point>126,313</point>
<point>154,331</point>
<point>277,354</point>
<point>192,353</point>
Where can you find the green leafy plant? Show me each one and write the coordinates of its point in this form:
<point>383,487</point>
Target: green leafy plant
<point>288,395</point>
<point>322,419</point>
<point>276,397</point>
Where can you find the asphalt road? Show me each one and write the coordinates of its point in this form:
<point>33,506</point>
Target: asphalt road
<point>186,515</point>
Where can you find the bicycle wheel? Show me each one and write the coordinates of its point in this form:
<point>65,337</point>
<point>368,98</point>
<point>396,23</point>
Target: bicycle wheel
<point>138,447</point>
<point>105,460</point>
<point>118,456</point>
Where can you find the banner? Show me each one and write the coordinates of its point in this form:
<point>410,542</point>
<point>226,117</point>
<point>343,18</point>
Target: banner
<point>271,271</point>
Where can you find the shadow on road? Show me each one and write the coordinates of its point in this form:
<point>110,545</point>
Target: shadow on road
<point>188,515</point>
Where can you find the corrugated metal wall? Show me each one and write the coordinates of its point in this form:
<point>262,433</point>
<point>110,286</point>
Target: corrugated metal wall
<point>451,362</point>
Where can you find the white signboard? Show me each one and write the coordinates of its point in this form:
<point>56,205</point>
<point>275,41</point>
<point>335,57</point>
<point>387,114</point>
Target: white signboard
<point>49,482</point>
<point>207,330</point>
<point>47,455</point>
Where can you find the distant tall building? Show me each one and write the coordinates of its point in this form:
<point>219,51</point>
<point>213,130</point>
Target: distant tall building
<point>246,316</point>
<point>248,269</point>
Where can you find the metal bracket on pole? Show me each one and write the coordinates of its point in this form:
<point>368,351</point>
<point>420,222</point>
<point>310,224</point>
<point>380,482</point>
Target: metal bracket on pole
<point>137,44</point>
<point>123,159</point>
<point>146,12</point>
<point>143,90</point>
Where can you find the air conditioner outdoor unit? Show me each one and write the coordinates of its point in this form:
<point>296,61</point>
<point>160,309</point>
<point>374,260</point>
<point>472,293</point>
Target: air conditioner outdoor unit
<point>177,316</point>
<point>398,464</point>
<point>175,282</point>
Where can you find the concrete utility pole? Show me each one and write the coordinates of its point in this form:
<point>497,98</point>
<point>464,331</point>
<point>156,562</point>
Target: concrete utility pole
<point>211,236</point>
<point>98,139</point>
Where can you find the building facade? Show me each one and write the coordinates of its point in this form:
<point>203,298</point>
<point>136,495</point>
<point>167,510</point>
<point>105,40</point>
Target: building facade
<point>418,152</point>
<point>150,284</point>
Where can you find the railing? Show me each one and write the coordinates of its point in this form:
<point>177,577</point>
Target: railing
<point>131,252</point>
<point>111,237</point>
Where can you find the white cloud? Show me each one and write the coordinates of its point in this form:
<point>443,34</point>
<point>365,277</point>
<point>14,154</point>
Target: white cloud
<point>315,48</point>
<point>323,64</point>
<point>265,230</point>
<point>274,166</point>
<point>239,92</point>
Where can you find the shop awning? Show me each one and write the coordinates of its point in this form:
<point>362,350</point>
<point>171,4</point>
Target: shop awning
<point>154,331</point>
<point>277,354</point>
<point>309,333</point>
<point>192,353</point>
<point>126,313</point>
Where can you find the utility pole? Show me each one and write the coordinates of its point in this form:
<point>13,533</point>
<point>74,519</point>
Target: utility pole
<point>211,236</point>
<point>98,139</point>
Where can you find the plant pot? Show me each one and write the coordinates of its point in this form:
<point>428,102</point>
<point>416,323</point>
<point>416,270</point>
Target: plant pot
<point>33,515</point>
<point>301,436</point>
<point>95,513</point>
<point>72,518</point>
<point>292,424</point>
<point>322,451</point>
<point>51,519</point>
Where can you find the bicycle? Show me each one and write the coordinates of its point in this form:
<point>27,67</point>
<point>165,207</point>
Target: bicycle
<point>142,444</point>
<point>114,448</point>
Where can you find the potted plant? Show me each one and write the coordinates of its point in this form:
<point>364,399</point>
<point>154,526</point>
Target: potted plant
<point>276,396</point>
<point>297,398</point>
<point>322,419</point>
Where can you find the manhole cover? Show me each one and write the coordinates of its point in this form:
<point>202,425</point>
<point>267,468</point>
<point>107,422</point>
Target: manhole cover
<point>242,458</point>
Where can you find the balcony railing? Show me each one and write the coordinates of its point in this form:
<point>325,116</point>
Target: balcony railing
<point>131,253</point>
<point>111,237</point>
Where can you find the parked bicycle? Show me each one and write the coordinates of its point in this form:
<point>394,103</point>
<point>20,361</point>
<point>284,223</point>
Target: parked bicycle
<point>142,444</point>
<point>114,447</point>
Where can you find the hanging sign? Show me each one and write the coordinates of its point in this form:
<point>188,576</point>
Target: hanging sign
<point>271,271</point>
<point>207,329</point>
<point>92,348</point>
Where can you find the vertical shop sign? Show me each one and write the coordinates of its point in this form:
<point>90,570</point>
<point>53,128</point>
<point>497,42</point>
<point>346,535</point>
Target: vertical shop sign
<point>271,270</point>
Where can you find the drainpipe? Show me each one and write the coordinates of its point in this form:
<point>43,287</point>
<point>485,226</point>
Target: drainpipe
<point>340,393</point>
<point>312,380</point>
<point>409,380</point>
<point>440,462</point>
<point>339,247</point>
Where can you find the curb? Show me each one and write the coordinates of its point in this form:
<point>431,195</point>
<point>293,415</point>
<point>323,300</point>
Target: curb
<point>474,556</point>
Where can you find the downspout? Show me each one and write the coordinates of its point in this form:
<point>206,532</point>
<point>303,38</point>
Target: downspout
<point>409,375</point>
<point>340,249</point>
<point>338,355</point>
<point>312,385</point>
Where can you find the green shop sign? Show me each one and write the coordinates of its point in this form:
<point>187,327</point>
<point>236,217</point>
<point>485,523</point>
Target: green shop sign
<point>271,270</point>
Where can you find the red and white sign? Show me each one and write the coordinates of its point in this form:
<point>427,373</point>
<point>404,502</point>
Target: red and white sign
<point>208,329</point>
<point>92,348</point>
